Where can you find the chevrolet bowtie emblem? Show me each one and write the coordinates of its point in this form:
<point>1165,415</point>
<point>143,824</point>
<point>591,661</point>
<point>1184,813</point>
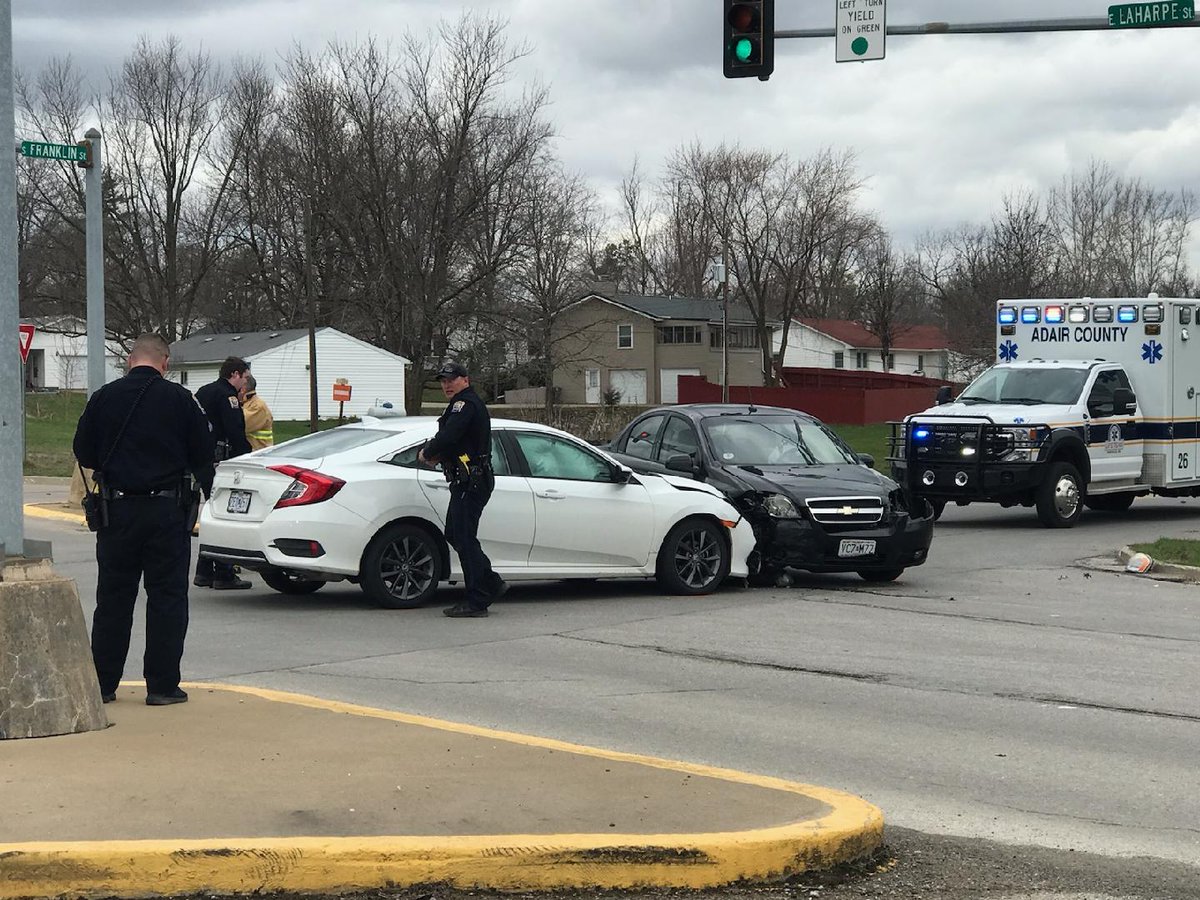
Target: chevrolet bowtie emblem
<point>848,510</point>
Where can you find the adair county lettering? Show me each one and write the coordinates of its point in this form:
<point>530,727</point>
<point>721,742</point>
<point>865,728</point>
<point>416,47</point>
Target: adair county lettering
<point>1080,334</point>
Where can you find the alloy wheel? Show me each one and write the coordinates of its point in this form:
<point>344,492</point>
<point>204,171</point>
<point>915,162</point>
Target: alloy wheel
<point>407,567</point>
<point>698,558</point>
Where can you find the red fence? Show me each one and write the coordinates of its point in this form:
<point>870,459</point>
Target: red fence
<point>842,398</point>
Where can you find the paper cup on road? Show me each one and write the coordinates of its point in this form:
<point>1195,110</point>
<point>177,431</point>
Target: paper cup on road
<point>1140,563</point>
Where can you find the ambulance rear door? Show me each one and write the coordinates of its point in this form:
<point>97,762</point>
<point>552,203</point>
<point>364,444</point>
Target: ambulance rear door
<point>1184,446</point>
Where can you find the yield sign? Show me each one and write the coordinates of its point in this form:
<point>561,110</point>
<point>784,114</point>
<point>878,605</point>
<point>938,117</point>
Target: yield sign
<point>26,341</point>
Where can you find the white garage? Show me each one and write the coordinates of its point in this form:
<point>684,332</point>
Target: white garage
<point>279,362</point>
<point>631,383</point>
<point>668,383</point>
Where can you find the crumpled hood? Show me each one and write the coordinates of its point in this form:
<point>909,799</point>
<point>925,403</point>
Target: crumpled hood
<point>803,482</point>
<point>999,413</point>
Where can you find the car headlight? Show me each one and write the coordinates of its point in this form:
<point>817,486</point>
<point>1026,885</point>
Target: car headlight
<point>1023,444</point>
<point>779,506</point>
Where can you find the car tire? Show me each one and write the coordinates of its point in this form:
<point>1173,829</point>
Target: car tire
<point>879,576</point>
<point>401,567</point>
<point>694,558</point>
<point>1060,497</point>
<point>939,507</point>
<point>1116,503</point>
<point>292,585</point>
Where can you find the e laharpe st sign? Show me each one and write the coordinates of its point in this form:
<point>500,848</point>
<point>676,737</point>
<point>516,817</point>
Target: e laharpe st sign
<point>1149,15</point>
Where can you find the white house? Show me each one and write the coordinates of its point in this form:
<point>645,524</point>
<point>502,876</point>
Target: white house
<point>58,355</point>
<point>279,362</point>
<point>842,344</point>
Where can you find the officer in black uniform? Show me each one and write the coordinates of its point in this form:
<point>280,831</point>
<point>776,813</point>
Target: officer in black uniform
<point>463,445</point>
<point>221,403</point>
<point>142,434</point>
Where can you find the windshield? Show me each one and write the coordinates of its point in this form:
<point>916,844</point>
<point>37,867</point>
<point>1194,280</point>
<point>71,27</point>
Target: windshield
<point>774,441</point>
<point>323,443</point>
<point>1001,384</point>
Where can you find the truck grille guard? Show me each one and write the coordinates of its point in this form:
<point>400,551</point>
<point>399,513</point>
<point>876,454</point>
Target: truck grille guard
<point>970,446</point>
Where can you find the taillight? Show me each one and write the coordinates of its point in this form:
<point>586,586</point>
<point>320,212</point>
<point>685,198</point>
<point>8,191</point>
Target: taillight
<point>307,486</point>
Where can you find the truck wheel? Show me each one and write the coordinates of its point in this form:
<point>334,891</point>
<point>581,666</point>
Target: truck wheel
<point>1060,496</point>
<point>1110,502</point>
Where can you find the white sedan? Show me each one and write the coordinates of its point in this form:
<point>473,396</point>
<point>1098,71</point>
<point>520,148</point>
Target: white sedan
<point>353,504</point>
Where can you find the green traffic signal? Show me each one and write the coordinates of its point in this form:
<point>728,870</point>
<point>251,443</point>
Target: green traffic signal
<point>743,49</point>
<point>749,38</point>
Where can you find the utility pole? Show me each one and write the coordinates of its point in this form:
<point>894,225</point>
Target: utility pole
<point>12,422</point>
<point>97,362</point>
<point>312,317</point>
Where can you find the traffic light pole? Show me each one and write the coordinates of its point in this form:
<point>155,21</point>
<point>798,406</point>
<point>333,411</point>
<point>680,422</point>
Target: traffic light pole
<point>12,423</point>
<point>1090,23</point>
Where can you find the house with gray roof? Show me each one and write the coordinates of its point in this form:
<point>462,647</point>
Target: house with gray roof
<point>639,346</point>
<point>279,361</point>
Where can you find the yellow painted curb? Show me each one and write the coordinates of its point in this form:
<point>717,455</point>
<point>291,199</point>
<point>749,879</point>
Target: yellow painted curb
<point>526,862</point>
<point>40,512</point>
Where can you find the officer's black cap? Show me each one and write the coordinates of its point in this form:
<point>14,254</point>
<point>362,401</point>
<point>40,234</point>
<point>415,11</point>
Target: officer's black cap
<point>452,370</point>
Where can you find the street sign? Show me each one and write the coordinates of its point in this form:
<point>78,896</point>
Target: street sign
<point>65,152</point>
<point>341,392</point>
<point>860,30</point>
<point>1149,15</point>
<point>26,336</point>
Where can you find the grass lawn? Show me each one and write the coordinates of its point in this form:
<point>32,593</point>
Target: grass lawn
<point>1172,550</point>
<point>50,420</point>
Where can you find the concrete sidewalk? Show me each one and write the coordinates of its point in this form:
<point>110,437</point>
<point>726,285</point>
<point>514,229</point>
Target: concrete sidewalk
<point>245,790</point>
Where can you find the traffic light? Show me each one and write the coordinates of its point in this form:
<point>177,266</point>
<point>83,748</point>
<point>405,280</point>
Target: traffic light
<point>749,38</point>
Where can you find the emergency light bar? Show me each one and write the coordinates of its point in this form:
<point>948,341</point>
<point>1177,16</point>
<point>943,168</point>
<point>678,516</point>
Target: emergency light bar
<point>1008,315</point>
<point>1102,314</point>
<point>1127,315</point>
<point>1077,315</point>
<point>1030,315</point>
<point>1054,315</point>
<point>1152,313</point>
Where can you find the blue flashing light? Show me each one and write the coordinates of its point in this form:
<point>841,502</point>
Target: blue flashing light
<point>921,433</point>
<point>1126,314</point>
<point>1054,315</point>
<point>1030,315</point>
<point>1008,315</point>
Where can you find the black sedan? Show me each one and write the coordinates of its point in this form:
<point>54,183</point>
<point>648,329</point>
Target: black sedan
<point>814,504</point>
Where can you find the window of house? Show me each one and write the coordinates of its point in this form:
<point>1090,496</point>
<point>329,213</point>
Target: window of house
<point>839,359</point>
<point>860,359</point>
<point>679,334</point>
<point>742,337</point>
<point>624,337</point>
<point>891,361</point>
<point>920,362</point>
<point>643,435</point>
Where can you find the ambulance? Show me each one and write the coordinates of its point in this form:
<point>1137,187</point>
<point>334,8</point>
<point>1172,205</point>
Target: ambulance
<point>1091,403</point>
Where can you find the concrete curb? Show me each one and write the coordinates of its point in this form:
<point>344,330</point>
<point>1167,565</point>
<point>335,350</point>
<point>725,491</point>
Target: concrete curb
<point>61,515</point>
<point>1162,570</point>
<point>513,862</point>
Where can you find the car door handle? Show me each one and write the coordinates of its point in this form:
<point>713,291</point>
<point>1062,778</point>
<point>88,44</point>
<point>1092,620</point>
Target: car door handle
<point>551,494</point>
<point>439,485</point>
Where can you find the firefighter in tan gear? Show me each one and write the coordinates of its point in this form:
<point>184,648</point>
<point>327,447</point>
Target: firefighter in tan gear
<point>260,424</point>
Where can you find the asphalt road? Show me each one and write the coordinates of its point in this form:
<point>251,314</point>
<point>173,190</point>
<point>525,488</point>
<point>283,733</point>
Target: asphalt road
<point>1018,688</point>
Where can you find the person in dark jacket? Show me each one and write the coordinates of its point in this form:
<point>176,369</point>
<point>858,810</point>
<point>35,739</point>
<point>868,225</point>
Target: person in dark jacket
<point>222,405</point>
<point>142,435</point>
<point>463,445</point>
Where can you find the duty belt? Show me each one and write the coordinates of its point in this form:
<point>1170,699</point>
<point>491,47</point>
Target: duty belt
<point>116,494</point>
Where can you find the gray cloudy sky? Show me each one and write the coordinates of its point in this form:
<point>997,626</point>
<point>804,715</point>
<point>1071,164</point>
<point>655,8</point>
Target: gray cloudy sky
<point>942,127</point>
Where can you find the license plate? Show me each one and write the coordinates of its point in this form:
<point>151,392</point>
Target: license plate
<point>239,502</point>
<point>856,548</point>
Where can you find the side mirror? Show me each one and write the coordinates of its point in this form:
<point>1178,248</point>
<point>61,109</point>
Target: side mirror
<point>943,395</point>
<point>867,460</point>
<point>682,463</point>
<point>1124,402</point>
<point>621,474</point>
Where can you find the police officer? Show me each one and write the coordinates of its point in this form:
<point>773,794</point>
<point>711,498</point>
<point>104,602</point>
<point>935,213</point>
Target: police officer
<point>463,445</point>
<point>142,434</point>
<point>222,405</point>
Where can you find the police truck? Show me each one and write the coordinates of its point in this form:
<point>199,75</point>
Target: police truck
<point>1092,402</point>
